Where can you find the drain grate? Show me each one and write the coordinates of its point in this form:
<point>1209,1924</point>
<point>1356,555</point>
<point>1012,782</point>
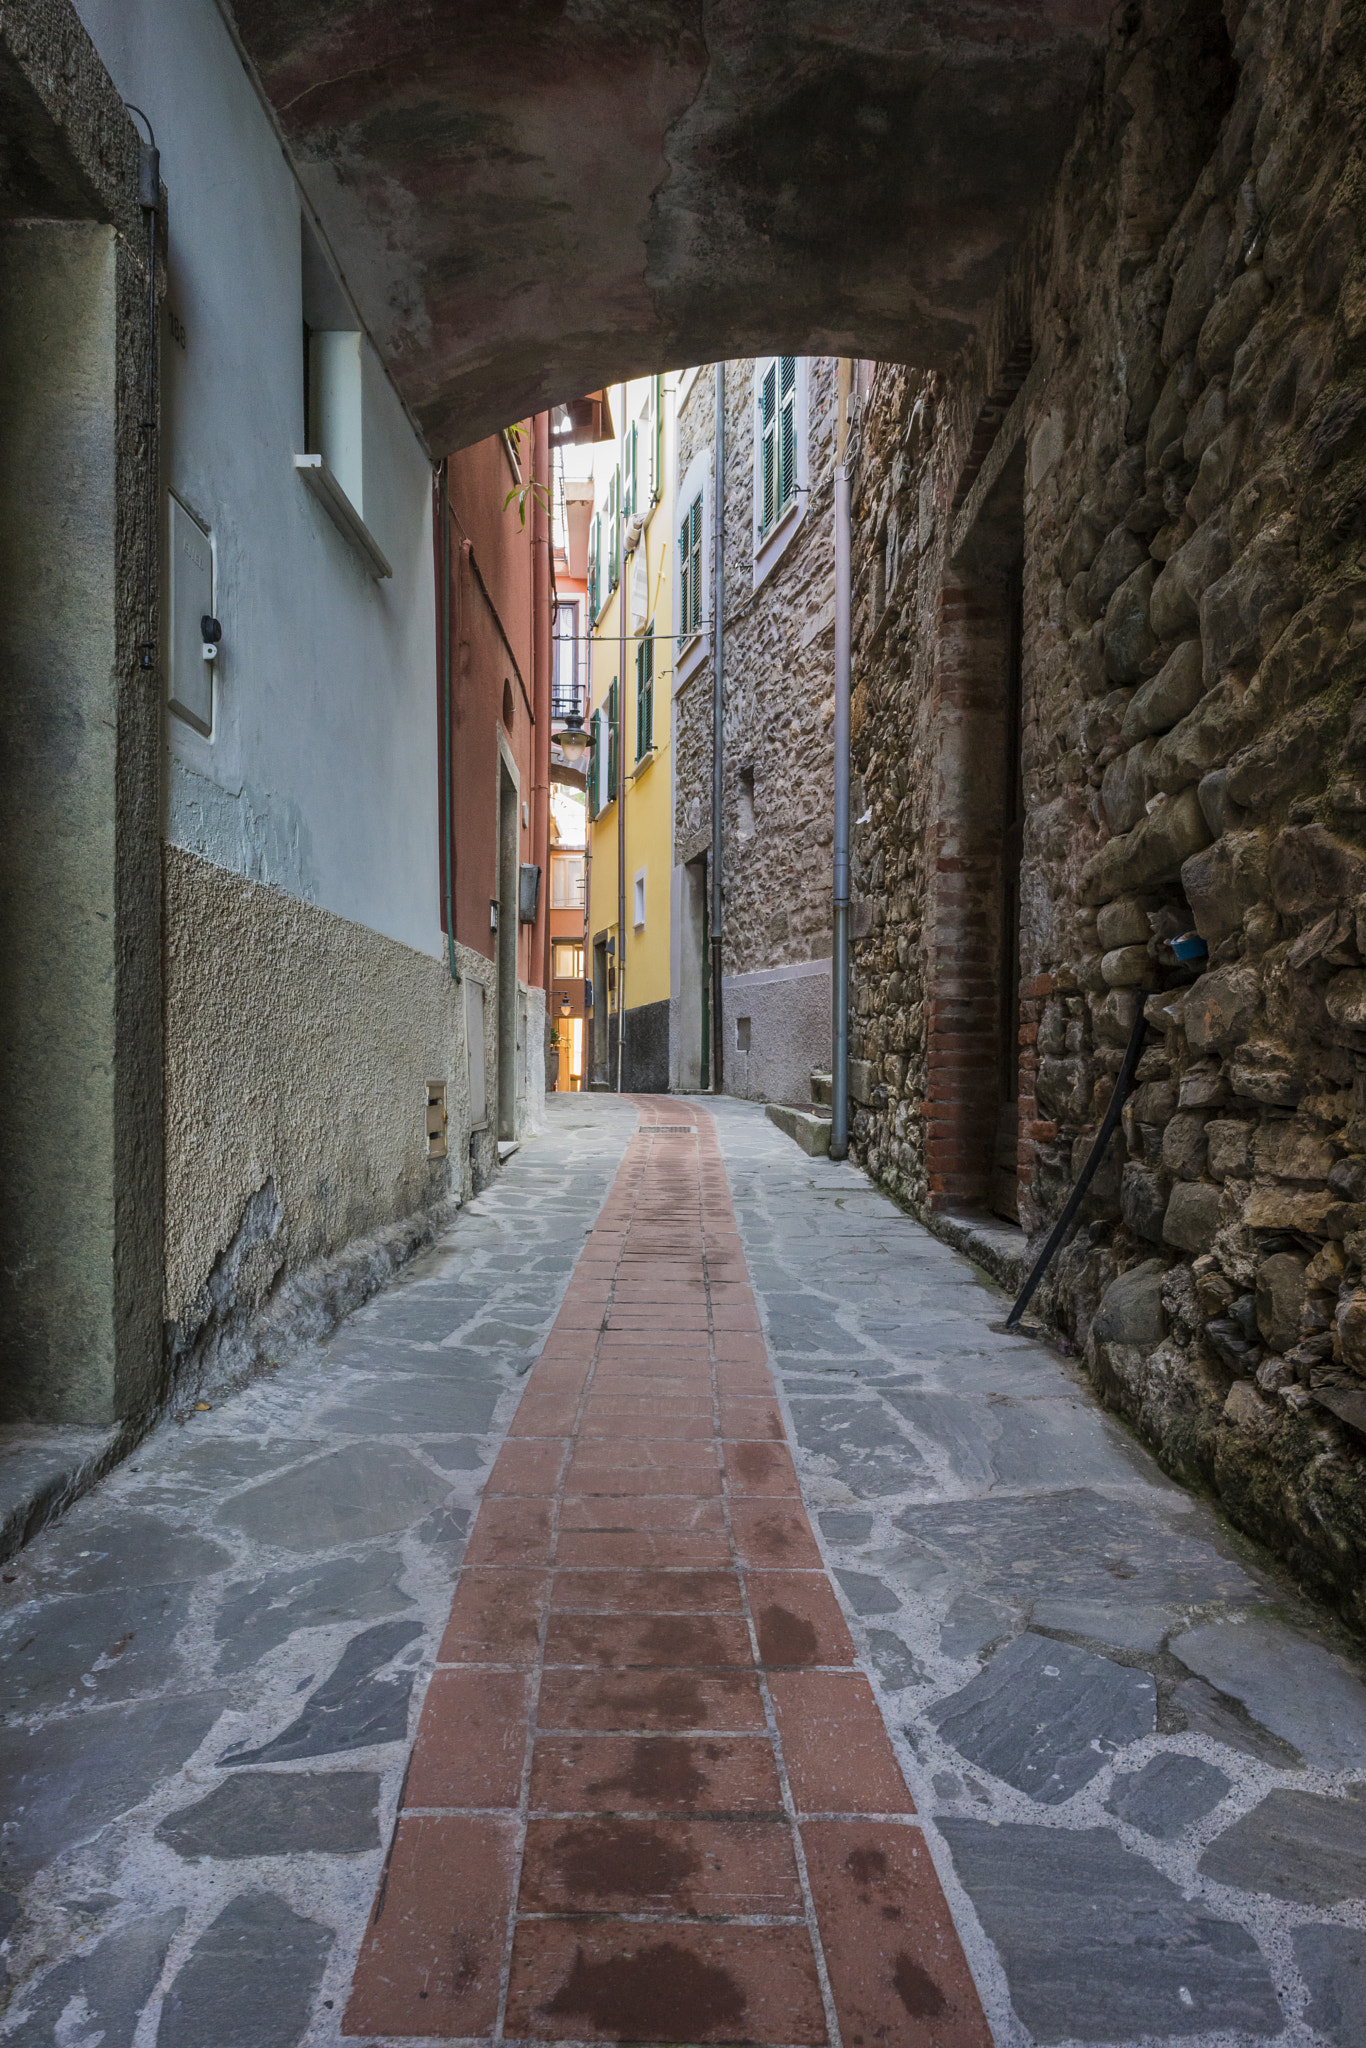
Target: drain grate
<point>679,1130</point>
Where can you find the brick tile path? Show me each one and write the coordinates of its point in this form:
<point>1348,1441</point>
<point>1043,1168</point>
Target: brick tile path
<point>651,1797</point>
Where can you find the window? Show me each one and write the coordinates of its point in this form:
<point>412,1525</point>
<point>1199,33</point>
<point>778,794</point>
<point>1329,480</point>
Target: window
<point>746,806</point>
<point>657,471</point>
<point>565,701</point>
<point>690,567</point>
<point>777,440</point>
<point>638,899</point>
<point>566,881</point>
<point>610,713</point>
<point>595,589</point>
<point>645,693</point>
<point>568,960</point>
<point>614,529</point>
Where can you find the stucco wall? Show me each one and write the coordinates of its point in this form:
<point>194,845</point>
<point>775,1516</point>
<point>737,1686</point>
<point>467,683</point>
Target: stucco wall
<point>787,1011</point>
<point>319,775</point>
<point>298,1049</point>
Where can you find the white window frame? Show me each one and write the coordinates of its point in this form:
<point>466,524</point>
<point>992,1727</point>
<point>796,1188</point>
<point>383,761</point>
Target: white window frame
<point>638,900</point>
<point>692,652</point>
<point>769,548</point>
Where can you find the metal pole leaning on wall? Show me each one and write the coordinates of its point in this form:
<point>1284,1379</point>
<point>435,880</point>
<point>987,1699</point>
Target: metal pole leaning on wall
<point>621,747</point>
<point>839,963</point>
<point>718,705</point>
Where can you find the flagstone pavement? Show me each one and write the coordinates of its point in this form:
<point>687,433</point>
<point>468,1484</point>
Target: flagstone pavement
<point>822,1666</point>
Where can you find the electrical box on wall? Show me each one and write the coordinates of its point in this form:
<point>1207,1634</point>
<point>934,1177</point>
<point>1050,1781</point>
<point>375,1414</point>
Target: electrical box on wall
<point>528,892</point>
<point>436,1119</point>
<point>191,601</point>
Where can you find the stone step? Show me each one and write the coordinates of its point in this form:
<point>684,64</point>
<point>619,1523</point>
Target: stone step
<point>812,1132</point>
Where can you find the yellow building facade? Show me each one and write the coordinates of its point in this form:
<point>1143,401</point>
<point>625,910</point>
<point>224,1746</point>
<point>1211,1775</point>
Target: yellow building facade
<point>630,768</point>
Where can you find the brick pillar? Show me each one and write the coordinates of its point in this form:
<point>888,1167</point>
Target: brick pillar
<point>970,722</point>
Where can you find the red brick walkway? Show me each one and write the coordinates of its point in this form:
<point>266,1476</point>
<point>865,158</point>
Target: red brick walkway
<point>651,1798</point>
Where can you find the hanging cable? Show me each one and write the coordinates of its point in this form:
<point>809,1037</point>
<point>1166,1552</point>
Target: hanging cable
<point>149,199</point>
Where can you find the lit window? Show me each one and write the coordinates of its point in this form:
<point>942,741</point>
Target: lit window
<point>568,962</point>
<point>566,881</point>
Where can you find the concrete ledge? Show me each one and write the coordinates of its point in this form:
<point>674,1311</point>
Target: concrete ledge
<point>42,1471</point>
<point>812,1133</point>
<point>1000,1248</point>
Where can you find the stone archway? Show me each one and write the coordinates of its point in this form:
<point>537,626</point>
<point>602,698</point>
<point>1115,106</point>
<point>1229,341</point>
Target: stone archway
<point>530,201</point>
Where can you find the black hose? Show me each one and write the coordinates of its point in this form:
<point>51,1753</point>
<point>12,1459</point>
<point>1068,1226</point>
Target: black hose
<point>1123,1083</point>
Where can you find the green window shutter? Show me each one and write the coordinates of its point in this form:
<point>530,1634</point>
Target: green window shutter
<point>614,529</point>
<point>612,741</point>
<point>695,521</point>
<point>787,431</point>
<point>594,550</point>
<point>594,755</point>
<point>768,448</point>
<point>645,693</point>
<point>631,494</point>
<point>684,577</point>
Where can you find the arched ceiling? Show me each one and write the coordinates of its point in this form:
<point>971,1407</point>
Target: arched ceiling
<point>534,197</point>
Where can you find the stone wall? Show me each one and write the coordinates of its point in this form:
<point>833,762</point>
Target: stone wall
<point>1163,435</point>
<point>778,697</point>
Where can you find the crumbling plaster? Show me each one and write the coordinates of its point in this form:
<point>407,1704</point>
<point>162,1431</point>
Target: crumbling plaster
<point>535,202</point>
<point>298,1049</point>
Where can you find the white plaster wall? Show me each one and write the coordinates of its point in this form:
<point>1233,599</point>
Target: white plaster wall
<point>789,1013</point>
<point>320,776</point>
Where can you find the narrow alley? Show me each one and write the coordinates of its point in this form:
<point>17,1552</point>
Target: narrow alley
<point>823,1666</point>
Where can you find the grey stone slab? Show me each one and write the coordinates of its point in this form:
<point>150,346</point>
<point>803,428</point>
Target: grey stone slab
<point>1078,1545</point>
<point>1099,1946</point>
<point>64,1780</point>
<point>128,1550</point>
<point>868,1451</point>
<point>354,1707</point>
<point>866,1594</point>
<point>259,1614</point>
<point>1043,1442</point>
<point>1295,1845</point>
<point>893,1661</point>
<point>1201,1710</point>
<point>459,1454</point>
<point>1294,1686</point>
<point>278,1813</point>
<point>1046,1716</point>
<point>1332,1962</point>
<point>249,1981</point>
<point>976,1619</point>
<point>222,1461</point>
<point>1168,1794</point>
<point>502,1336</point>
<point>415,1406</point>
<point>99,1646</point>
<point>446,1528</point>
<point>348,1496</point>
<point>100,1993</point>
<point>837,1526</point>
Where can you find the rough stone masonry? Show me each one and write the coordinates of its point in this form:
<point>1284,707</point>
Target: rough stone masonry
<point>1154,463</point>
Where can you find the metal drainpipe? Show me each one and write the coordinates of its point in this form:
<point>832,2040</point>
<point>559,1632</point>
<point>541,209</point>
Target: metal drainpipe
<point>447,771</point>
<point>718,705</point>
<point>621,748</point>
<point>839,965</point>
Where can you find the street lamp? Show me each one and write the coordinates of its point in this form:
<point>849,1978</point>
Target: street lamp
<point>573,744</point>
<point>564,1006</point>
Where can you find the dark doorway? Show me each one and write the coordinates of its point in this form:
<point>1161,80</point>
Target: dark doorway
<point>508,817</point>
<point>973,1049</point>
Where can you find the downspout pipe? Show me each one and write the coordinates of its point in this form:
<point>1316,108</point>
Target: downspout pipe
<point>839,961</point>
<point>718,707</point>
<point>447,764</point>
<point>621,748</point>
<point>543,601</point>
